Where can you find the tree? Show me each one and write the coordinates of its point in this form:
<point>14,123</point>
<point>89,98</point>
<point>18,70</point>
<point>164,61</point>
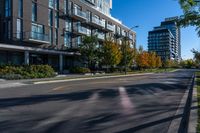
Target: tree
<point>90,51</point>
<point>196,55</point>
<point>128,54</point>
<point>142,60</point>
<point>191,15</point>
<point>158,62</point>
<point>111,53</point>
<point>152,59</point>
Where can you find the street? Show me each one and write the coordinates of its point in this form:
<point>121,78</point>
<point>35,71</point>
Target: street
<point>142,104</point>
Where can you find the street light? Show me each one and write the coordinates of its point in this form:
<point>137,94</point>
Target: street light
<point>127,37</point>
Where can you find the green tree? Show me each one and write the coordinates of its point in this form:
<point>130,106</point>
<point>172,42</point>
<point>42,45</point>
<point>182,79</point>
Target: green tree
<point>191,15</point>
<point>90,51</point>
<point>111,53</point>
<point>128,54</point>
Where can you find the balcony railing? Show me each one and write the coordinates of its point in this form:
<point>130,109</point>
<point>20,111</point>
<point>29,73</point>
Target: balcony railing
<point>101,36</point>
<point>110,27</point>
<point>123,33</point>
<point>98,22</point>
<point>79,13</point>
<point>35,36</point>
<point>84,30</point>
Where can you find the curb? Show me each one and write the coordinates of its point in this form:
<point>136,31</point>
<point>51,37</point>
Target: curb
<point>90,78</point>
<point>193,119</point>
<point>180,125</point>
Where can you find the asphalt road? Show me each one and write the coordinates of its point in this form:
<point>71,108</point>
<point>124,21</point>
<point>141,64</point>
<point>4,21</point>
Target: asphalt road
<point>143,104</point>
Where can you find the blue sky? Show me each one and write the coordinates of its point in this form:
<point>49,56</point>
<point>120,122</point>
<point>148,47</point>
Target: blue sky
<point>148,14</point>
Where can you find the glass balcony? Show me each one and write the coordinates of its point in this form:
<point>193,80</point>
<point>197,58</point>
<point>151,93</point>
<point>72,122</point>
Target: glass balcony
<point>101,36</point>
<point>123,33</point>
<point>84,31</point>
<point>36,37</point>
<point>110,27</point>
<point>98,22</point>
<point>79,14</point>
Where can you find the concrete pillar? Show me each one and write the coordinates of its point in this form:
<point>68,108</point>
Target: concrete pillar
<point>26,57</point>
<point>60,62</point>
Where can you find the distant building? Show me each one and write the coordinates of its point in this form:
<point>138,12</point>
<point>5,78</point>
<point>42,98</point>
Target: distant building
<point>165,40</point>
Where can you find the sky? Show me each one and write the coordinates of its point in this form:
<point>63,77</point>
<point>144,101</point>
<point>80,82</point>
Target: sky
<point>148,14</point>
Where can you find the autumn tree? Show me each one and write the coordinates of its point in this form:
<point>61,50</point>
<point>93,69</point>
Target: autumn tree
<point>142,60</point>
<point>111,53</point>
<point>158,62</point>
<point>152,59</point>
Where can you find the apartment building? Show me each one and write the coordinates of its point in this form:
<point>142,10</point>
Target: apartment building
<point>51,31</point>
<point>165,40</point>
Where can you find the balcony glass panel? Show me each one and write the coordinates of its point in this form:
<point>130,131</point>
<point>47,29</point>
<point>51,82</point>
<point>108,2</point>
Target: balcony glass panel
<point>80,13</point>
<point>38,36</point>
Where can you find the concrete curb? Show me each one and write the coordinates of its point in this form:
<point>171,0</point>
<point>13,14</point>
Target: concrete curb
<point>179,125</point>
<point>193,119</point>
<point>90,78</point>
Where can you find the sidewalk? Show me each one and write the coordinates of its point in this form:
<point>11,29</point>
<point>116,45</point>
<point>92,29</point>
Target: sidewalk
<point>64,78</point>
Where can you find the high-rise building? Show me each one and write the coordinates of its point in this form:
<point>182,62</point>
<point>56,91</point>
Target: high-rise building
<point>165,40</point>
<point>50,31</point>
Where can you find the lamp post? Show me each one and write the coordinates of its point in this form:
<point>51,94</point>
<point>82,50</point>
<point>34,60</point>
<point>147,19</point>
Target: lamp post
<point>127,38</point>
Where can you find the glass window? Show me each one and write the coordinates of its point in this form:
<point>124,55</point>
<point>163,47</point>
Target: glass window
<point>50,20</point>
<point>56,4</point>
<point>19,29</point>
<point>66,39</point>
<point>34,12</point>
<point>20,8</point>
<point>7,8</point>
<point>68,25</point>
<point>51,3</point>
<point>56,20</point>
<point>51,35</point>
<point>56,36</point>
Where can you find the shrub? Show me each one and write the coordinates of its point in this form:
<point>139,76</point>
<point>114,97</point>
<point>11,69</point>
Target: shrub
<point>26,72</point>
<point>79,70</point>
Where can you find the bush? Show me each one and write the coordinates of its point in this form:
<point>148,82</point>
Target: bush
<point>26,72</point>
<point>79,70</point>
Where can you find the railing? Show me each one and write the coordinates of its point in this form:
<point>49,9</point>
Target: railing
<point>36,36</point>
<point>79,13</point>
<point>98,22</point>
<point>110,27</point>
<point>101,36</point>
<point>84,30</point>
<point>123,33</point>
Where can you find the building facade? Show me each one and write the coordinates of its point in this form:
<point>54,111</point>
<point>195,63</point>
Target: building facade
<point>50,31</point>
<point>165,40</point>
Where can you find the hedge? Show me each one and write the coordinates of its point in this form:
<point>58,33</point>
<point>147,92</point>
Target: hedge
<point>26,72</point>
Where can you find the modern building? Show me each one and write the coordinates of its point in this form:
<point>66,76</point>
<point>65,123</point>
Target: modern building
<point>50,31</point>
<point>165,40</point>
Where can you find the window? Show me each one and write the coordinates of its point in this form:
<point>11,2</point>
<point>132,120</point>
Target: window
<point>68,25</point>
<point>7,8</point>
<point>7,29</point>
<point>20,8</point>
<point>51,35</point>
<point>66,39</point>
<point>34,12</point>
<point>51,3</point>
<point>50,20</point>
<point>56,4</point>
<point>19,29</point>
<point>56,36</point>
<point>56,20</point>
<point>37,31</point>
